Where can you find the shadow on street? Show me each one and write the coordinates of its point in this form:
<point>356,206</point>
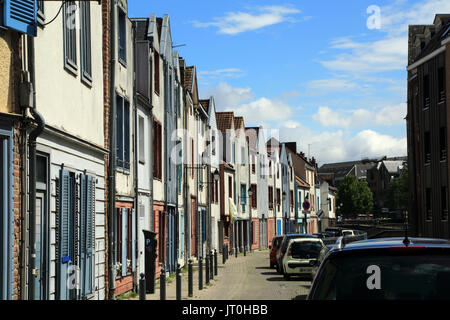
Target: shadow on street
<point>300,297</point>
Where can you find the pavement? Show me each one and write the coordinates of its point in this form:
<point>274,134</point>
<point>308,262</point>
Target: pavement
<point>243,278</point>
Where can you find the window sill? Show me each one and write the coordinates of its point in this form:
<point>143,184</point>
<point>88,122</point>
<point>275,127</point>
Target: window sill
<point>71,68</point>
<point>86,80</point>
<point>123,63</point>
<point>123,170</point>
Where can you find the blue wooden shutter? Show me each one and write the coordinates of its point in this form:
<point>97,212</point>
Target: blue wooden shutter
<point>126,136</point>
<point>90,234</point>
<point>83,229</point>
<point>124,241</point>
<point>119,131</point>
<point>20,15</point>
<point>133,240</point>
<point>64,233</point>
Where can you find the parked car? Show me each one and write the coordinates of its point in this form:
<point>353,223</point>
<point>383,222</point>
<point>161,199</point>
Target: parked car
<point>336,231</point>
<point>385,268</point>
<point>347,232</point>
<point>276,242</point>
<point>323,253</point>
<point>283,247</point>
<point>328,234</point>
<point>301,258</point>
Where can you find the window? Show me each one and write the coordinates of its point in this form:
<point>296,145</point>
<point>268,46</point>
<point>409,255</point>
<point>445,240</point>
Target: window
<point>443,143</point>
<point>329,204</point>
<point>253,164</point>
<point>428,203</point>
<point>278,198</point>
<point>444,203</point>
<point>234,152</point>
<point>427,142</point>
<point>157,150</point>
<point>70,37</point>
<point>230,187</point>
<point>291,199</point>
<point>278,171</point>
<point>156,67</point>
<point>243,196</point>
<point>40,12</point>
<point>270,168</point>
<point>441,84</point>
<point>141,150</point>
<point>242,155</point>
<point>254,197</point>
<point>122,31</point>
<point>426,91</point>
<point>85,42</point>
<point>123,132</point>
<point>216,191</point>
<point>270,197</point>
<point>192,158</point>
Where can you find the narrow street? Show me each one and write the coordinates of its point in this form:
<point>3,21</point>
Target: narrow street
<point>242,278</point>
<point>250,278</point>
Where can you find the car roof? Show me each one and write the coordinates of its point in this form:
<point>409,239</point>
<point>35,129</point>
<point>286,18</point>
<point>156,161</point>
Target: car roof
<point>304,240</point>
<point>381,243</point>
<point>299,235</point>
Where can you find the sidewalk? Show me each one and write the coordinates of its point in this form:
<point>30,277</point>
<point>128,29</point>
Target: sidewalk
<point>171,282</point>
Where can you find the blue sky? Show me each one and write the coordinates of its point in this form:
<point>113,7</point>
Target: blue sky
<point>320,73</point>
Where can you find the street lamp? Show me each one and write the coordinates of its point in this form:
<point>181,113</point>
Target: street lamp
<point>216,175</point>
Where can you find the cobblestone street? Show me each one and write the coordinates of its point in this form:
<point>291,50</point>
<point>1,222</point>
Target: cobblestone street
<point>241,278</point>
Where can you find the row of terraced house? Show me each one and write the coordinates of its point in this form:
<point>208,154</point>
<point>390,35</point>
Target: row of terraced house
<point>103,136</point>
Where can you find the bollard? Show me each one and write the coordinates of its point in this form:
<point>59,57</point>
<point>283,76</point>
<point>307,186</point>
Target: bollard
<point>142,287</point>
<point>207,269</point>
<point>178,282</point>
<point>215,262</point>
<point>190,279</point>
<point>236,252</point>
<point>245,251</point>
<point>211,266</point>
<point>223,254</point>
<point>162,284</point>
<point>226,257</point>
<point>200,274</point>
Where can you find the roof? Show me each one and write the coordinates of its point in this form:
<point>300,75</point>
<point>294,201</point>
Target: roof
<point>361,169</point>
<point>393,166</point>
<point>205,104</point>
<point>189,78</point>
<point>381,243</point>
<point>436,41</point>
<point>238,124</point>
<point>252,134</point>
<point>224,120</point>
<point>302,183</point>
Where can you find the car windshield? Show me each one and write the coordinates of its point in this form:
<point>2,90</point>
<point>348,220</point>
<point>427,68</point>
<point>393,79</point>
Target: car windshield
<point>346,233</point>
<point>398,277</point>
<point>305,249</point>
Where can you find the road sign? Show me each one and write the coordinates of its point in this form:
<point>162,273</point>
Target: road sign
<point>306,205</point>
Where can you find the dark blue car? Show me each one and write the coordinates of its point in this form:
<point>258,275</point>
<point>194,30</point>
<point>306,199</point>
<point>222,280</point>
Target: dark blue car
<point>385,269</point>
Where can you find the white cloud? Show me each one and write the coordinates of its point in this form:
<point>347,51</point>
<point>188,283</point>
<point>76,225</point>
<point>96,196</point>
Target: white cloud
<point>389,53</point>
<point>237,22</point>
<point>226,96</point>
<point>335,146</point>
<point>263,110</point>
<point>386,116</point>
<point>291,124</point>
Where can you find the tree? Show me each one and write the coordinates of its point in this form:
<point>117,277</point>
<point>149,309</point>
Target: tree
<point>354,197</point>
<point>398,192</point>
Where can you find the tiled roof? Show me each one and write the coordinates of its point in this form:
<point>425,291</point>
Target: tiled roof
<point>205,105</point>
<point>252,134</point>
<point>302,183</point>
<point>238,124</point>
<point>189,78</point>
<point>224,120</point>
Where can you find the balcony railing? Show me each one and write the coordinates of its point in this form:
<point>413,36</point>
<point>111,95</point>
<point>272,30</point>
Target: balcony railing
<point>426,103</point>
<point>441,96</point>
<point>443,155</point>
<point>427,158</point>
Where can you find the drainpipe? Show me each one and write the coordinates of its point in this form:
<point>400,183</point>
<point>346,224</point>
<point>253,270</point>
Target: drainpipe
<point>112,224</point>
<point>32,173</point>
<point>135,155</point>
<point>187,228</point>
<point>166,162</point>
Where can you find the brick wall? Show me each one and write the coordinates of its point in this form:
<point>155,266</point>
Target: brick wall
<point>255,234</point>
<point>271,231</point>
<point>17,204</point>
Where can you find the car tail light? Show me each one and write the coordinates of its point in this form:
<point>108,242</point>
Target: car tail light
<point>406,249</point>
